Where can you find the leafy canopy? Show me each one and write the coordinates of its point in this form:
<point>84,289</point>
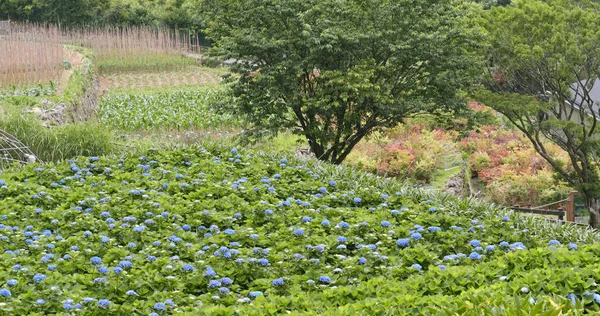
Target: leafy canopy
<point>335,71</point>
<point>543,60</point>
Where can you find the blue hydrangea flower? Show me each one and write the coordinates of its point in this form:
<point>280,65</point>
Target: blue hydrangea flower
<point>103,270</point>
<point>99,280</point>
<point>131,292</point>
<point>40,301</point>
<point>325,279</point>
<point>416,266</point>
<point>223,290</point>
<point>39,278</point>
<point>139,229</point>
<point>518,246</point>
<point>5,293</point>
<point>475,243</point>
<point>103,303</point>
<point>571,297</point>
<point>226,281</point>
<point>403,242</point>
<point>88,300</point>
<point>160,306</point>
<point>504,244</point>
<point>475,256</point>
<point>214,283</point>
<point>254,294</point>
<point>298,232</point>
<point>278,282</point>
<point>572,246</point>
<point>96,260</point>
<point>415,236</point>
<point>117,270</point>
<point>385,224</point>
<point>554,242</point>
<point>362,260</point>
<point>263,262</point>
<point>434,229</point>
<point>210,272</point>
<point>357,200</point>
<point>490,248</point>
<point>343,224</point>
<point>188,267</point>
<point>12,282</point>
<point>125,264</point>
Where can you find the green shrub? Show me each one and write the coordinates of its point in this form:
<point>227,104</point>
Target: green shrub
<point>479,161</point>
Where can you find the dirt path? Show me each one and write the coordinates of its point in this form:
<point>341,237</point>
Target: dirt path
<point>76,59</point>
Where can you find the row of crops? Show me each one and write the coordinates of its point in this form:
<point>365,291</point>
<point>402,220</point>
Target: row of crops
<point>190,107</point>
<point>216,232</point>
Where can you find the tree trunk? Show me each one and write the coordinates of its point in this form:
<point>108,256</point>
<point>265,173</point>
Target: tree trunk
<point>592,204</point>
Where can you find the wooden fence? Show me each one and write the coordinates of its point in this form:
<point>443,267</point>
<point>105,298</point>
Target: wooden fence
<point>564,209</point>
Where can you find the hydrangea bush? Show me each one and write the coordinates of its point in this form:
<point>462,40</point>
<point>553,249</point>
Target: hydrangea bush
<point>216,232</point>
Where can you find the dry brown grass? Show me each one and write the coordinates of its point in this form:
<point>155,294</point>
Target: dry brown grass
<point>119,42</point>
<point>30,54</point>
<point>135,47</point>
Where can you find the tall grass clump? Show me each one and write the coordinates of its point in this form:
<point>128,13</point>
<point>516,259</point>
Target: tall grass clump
<point>30,54</point>
<point>61,142</point>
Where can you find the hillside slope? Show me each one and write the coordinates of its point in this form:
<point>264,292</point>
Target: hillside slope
<point>216,231</point>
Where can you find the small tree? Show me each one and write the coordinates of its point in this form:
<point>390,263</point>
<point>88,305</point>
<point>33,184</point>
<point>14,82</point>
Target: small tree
<point>544,58</point>
<point>336,70</point>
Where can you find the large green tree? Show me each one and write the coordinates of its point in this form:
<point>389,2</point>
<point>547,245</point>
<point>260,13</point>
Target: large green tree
<point>336,70</point>
<point>543,60</point>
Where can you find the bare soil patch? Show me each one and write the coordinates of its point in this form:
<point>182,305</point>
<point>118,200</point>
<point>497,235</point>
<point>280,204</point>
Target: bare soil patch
<point>192,76</point>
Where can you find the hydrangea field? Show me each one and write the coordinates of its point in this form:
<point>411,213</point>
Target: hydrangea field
<point>216,232</point>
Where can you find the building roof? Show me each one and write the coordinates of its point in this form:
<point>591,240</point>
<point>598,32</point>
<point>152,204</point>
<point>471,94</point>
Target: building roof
<point>593,88</point>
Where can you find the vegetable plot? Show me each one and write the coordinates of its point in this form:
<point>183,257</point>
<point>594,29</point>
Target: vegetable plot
<point>156,110</point>
<point>214,232</point>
